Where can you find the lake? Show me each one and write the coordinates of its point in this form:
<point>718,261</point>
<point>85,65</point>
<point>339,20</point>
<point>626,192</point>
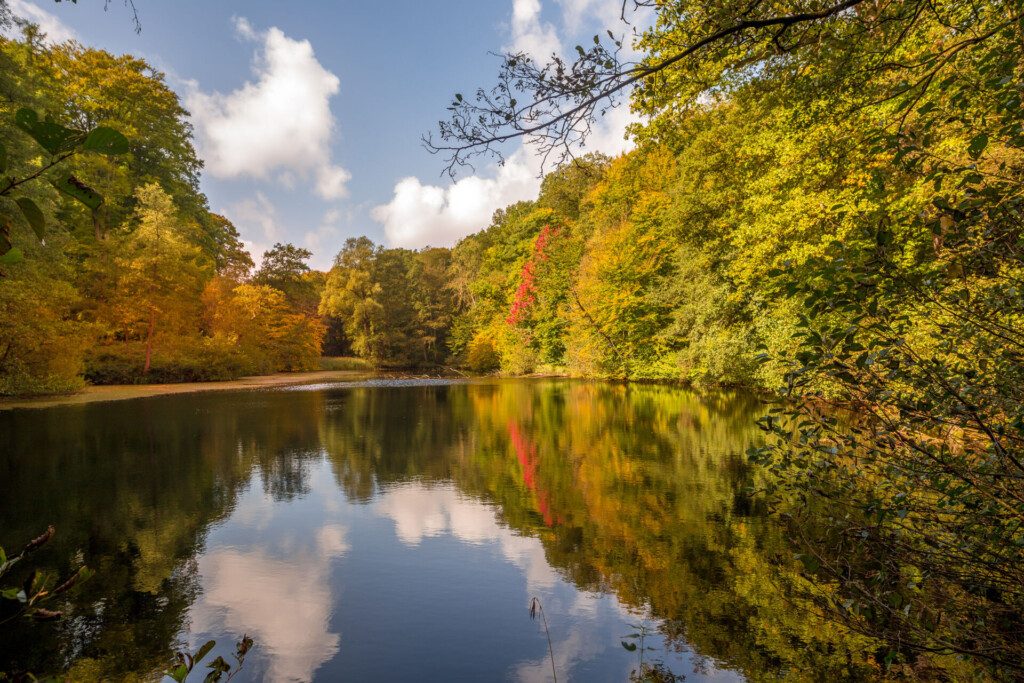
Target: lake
<point>399,530</point>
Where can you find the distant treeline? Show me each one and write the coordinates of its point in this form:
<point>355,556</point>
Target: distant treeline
<point>610,272</point>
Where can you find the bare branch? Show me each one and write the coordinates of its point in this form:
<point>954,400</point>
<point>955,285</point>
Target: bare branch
<point>567,98</point>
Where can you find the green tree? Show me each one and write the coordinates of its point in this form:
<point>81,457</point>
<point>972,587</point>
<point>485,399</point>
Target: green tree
<point>433,301</point>
<point>229,254</point>
<point>393,303</point>
<point>285,269</point>
<point>42,343</point>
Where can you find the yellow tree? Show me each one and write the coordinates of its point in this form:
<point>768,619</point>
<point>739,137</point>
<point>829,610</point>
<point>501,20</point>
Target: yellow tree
<point>618,321</point>
<point>162,274</point>
<point>259,322</point>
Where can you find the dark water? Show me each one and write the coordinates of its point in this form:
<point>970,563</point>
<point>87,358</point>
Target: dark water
<point>399,533</point>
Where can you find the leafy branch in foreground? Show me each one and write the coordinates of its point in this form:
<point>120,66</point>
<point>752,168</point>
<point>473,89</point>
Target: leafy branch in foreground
<point>38,588</point>
<point>185,662</point>
<point>60,144</point>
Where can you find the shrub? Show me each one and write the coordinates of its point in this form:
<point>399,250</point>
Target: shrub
<point>481,355</point>
<point>189,359</point>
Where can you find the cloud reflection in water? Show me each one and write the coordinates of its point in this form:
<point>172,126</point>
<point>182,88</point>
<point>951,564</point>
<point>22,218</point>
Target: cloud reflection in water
<point>277,570</point>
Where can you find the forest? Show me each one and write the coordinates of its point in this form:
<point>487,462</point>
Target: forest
<point>823,204</point>
<point>686,259</point>
<point>145,283</point>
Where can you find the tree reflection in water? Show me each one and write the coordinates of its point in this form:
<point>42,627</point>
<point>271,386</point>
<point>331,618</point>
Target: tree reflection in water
<point>348,528</point>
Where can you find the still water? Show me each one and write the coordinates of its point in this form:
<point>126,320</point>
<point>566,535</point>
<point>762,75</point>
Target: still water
<point>398,530</point>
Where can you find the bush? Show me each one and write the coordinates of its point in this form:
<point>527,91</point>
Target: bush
<point>481,355</point>
<point>174,360</point>
<point>343,363</point>
<point>18,380</point>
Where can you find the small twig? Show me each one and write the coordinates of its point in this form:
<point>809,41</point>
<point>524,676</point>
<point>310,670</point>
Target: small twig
<point>534,606</point>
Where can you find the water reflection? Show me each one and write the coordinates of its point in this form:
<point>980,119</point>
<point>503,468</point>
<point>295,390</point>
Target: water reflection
<point>269,575</point>
<point>398,532</point>
<point>421,512</point>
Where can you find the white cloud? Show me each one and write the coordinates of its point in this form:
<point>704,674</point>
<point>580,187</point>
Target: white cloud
<point>279,122</point>
<point>530,34</point>
<point>597,16</point>
<point>277,587</point>
<point>244,29</point>
<point>604,12</point>
<point>256,220</point>
<point>421,214</point>
<point>421,512</point>
<point>243,591</point>
<point>608,134</point>
<point>326,237</point>
<point>56,31</point>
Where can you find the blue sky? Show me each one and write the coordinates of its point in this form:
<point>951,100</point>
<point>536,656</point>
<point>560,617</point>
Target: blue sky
<point>309,113</point>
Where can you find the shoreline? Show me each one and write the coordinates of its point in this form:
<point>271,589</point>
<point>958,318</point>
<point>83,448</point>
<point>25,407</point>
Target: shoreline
<point>121,392</point>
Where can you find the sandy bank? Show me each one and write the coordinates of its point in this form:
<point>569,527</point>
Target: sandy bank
<point>120,392</point>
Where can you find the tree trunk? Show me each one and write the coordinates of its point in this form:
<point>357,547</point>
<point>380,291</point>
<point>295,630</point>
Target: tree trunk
<point>149,340</point>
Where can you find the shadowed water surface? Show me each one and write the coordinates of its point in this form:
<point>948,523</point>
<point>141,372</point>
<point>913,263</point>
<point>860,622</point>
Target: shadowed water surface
<point>398,531</point>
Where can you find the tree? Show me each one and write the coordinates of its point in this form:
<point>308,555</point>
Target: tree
<point>695,48</point>
<point>61,144</point>
<point>263,329</point>
<point>564,189</point>
<point>393,303</point>
<point>94,87</point>
<point>433,301</point>
<point>229,255</point>
<point>284,268</point>
<point>350,294</point>
<point>41,340</point>
<point>162,274</point>
<point>868,197</point>
<point>617,321</point>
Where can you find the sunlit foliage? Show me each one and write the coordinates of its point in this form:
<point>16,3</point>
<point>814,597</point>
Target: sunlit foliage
<point>107,286</point>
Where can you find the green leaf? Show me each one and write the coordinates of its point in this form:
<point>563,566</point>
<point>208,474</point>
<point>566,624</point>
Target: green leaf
<point>73,187</point>
<point>204,650</point>
<point>978,144</point>
<point>810,563</point>
<point>178,673</point>
<point>3,158</point>
<point>631,647</point>
<point>219,667</point>
<point>106,141</point>
<point>32,214</point>
<point>50,135</point>
<point>11,256</point>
